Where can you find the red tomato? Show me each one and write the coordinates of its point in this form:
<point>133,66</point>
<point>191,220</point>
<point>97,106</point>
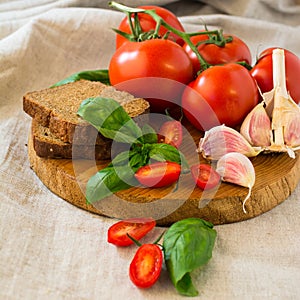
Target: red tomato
<point>136,228</point>
<point>171,133</point>
<point>234,51</point>
<point>220,95</point>
<point>146,265</point>
<point>205,176</point>
<point>147,23</point>
<point>155,69</point>
<point>158,174</point>
<point>263,72</point>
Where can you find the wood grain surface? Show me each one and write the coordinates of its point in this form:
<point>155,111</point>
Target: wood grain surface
<point>277,175</point>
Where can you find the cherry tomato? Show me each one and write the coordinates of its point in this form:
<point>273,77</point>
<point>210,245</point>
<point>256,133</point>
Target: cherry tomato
<point>147,23</point>
<point>234,51</point>
<point>220,95</point>
<point>158,174</point>
<point>263,72</point>
<point>136,228</point>
<point>171,133</point>
<point>154,69</point>
<point>146,265</point>
<point>205,176</point>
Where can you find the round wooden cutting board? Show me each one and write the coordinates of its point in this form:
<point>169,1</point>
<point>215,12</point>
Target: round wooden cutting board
<point>277,175</point>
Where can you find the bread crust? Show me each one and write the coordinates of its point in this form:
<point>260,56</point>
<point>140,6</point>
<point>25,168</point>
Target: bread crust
<point>56,108</point>
<point>47,145</point>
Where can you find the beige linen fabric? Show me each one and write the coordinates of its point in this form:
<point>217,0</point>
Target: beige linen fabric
<point>50,249</point>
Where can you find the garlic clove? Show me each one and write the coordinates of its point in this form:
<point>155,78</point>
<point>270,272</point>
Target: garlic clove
<point>237,168</point>
<point>256,128</point>
<point>291,133</point>
<point>222,139</point>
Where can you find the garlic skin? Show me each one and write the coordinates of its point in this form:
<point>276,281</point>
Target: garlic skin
<point>237,168</point>
<point>222,139</point>
<point>256,128</point>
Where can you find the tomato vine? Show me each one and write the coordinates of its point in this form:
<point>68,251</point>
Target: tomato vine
<point>215,36</point>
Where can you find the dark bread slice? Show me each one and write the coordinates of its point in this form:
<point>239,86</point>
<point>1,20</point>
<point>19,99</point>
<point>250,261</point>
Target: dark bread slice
<point>48,145</point>
<point>56,108</point>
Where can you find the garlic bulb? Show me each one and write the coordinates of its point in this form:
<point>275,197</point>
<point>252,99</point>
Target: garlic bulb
<point>277,117</point>
<point>236,168</point>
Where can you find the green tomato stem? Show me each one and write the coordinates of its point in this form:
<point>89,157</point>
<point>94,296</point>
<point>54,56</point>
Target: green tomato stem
<point>134,240</point>
<point>159,238</point>
<point>244,64</point>
<point>215,36</point>
<point>185,36</point>
<point>132,28</point>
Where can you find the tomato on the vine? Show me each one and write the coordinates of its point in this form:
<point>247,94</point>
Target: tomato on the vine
<point>156,70</point>
<point>136,228</point>
<point>263,72</point>
<point>146,265</point>
<point>158,174</point>
<point>234,51</point>
<point>220,95</point>
<point>205,176</point>
<point>147,23</point>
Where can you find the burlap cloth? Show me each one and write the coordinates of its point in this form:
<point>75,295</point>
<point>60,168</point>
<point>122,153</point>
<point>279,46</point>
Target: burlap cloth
<point>52,250</point>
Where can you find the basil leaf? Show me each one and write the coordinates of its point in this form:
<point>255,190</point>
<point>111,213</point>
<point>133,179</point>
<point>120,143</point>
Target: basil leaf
<point>110,119</point>
<point>121,159</point>
<point>92,75</point>
<point>112,178</point>
<point>165,152</point>
<point>185,286</point>
<point>138,160</point>
<point>134,158</point>
<point>108,181</point>
<point>149,135</point>
<point>187,245</point>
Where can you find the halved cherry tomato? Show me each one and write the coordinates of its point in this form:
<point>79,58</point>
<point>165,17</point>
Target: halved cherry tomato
<point>136,228</point>
<point>234,51</point>
<point>147,23</point>
<point>263,72</point>
<point>205,176</point>
<point>171,133</point>
<point>146,265</point>
<point>158,174</point>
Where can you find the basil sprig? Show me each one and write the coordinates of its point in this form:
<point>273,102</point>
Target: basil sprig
<point>92,75</point>
<point>113,122</point>
<point>187,245</point>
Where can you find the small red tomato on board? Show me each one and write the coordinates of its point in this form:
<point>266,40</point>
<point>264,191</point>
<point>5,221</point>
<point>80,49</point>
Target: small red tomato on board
<point>147,23</point>
<point>136,228</point>
<point>171,133</point>
<point>263,72</point>
<point>205,176</point>
<point>220,95</point>
<point>234,51</point>
<point>158,174</point>
<point>146,265</point>
<point>156,70</point>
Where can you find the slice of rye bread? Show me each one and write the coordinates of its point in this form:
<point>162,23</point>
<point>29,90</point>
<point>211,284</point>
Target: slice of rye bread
<point>56,108</point>
<point>48,145</point>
